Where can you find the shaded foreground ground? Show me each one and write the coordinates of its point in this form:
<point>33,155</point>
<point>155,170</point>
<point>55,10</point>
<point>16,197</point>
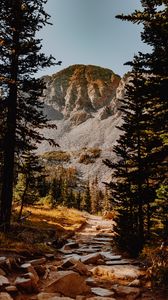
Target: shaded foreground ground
<point>84,267</point>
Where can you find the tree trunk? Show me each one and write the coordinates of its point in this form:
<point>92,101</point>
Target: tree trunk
<point>10,136</point>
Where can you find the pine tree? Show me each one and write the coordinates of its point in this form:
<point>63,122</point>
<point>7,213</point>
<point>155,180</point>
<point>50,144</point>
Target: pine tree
<point>29,176</point>
<point>21,58</point>
<point>142,148</point>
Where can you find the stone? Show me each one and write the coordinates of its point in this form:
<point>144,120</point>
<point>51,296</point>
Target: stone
<point>91,282</point>
<point>107,255</point>
<point>28,268</point>
<point>102,292</point>
<point>2,272</point>
<point>2,259</point>
<point>71,245</point>
<point>40,270</point>
<point>38,261</point>
<point>91,258</point>
<point>124,272</point>
<point>69,284</point>
<point>47,296</point>
<point>25,284</point>
<point>75,265</point>
<point>125,291</point>
<point>5,296</point>
<point>3,281</point>
<point>49,256</point>
<point>11,289</point>
<point>101,298</point>
<point>135,283</point>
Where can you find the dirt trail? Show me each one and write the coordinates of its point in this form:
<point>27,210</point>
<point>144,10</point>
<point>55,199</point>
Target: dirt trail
<point>86,267</point>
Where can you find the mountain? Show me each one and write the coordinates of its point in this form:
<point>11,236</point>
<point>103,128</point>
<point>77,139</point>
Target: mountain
<point>83,101</point>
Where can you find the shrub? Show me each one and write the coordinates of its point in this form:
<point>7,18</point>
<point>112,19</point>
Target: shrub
<point>56,156</point>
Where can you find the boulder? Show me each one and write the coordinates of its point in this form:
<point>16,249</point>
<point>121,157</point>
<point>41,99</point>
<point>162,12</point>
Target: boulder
<point>5,296</point>
<point>69,284</point>
<point>3,281</point>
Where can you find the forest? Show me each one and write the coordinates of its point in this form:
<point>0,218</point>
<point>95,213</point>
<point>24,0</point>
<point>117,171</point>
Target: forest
<point>137,195</point>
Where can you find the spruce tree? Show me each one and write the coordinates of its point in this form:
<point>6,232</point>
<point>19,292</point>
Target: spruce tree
<point>21,58</point>
<point>142,148</point>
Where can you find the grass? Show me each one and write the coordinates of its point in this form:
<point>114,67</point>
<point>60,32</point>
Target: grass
<point>42,227</point>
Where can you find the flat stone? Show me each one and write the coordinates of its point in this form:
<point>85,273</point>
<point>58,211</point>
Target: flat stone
<point>118,262</point>
<point>75,265</point>
<point>38,261</point>
<point>2,259</point>
<point>101,298</point>
<point>47,296</point>
<point>49,256</point>
<point>125,291</point>
<point>25,284</point>
<point>128,272</point>
<point>102,292</point>
<point>91,258</point>
<point>69,284</point>
<point>28,268</point>
<point>11,289</point>
<point>135,283</point>
<point>109,256</point>
<point>3,281</point>
<point>5,296</point>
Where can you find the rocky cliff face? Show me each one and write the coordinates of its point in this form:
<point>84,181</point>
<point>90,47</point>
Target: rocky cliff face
<point>83,102</point>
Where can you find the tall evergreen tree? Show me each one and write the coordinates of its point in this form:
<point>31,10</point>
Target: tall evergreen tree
<point>21,58</point>
<point>142,148</point>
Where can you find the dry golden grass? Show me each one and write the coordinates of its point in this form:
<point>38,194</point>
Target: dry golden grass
<point>42,226</point>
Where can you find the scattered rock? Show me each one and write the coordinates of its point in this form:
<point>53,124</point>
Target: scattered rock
<point>69,284</point>
<point>2,272</point>
<point>28,268</point>
<point>39,261</point>
<point>3,281</point>
<point>12,289</point>
<point>47,296</point>
<point>102,292</point>
<point>91,258</point>
<point>76,266</point>
<point>125,291</point>
<point>49,256</point>
<point>40,270</point>
<point>135,283</point>
<point>5,296</point>
<point>25,284</point>
<point>101,298</point>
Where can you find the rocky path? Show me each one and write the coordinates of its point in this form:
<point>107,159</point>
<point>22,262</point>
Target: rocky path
<point>84,268</point>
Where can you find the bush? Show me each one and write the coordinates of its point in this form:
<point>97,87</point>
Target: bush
<point>89,155</point>
<point>157,260</point>
<point>56,156</point>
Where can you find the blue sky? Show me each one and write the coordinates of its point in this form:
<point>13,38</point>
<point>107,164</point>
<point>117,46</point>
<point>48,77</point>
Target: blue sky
<point>87,32</point>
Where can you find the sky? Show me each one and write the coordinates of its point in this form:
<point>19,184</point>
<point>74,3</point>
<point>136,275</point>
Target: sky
<point>87,32</point>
